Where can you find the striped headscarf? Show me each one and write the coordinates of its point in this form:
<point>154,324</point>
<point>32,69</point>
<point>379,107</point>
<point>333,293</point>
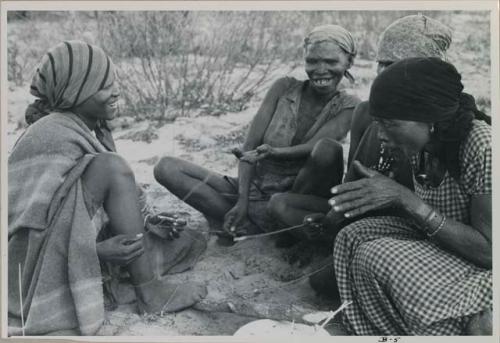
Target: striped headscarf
<point>336,34</point>
<point>68,74</point>
<point>414,36</point>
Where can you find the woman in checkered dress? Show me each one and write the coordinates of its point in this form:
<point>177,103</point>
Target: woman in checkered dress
<point>428,271</point>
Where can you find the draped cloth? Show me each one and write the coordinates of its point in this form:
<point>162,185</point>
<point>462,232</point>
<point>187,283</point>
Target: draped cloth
<point>53,227</point>
<point>51,234</point>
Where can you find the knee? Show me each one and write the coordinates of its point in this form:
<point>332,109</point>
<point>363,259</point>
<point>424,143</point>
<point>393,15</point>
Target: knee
<point>113,165</point>
<point>166,167</point>
<point>327,152</point>
<point>277,205</point>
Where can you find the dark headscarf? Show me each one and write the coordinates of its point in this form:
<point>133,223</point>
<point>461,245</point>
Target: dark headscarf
<point>427,90</point>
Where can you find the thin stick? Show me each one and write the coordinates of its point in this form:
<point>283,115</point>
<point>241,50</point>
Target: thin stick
<point>241,238</point>
<point>333,314</point>
<point>21,298</point>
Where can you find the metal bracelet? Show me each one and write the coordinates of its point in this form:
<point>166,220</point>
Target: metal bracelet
<point>441,225</point>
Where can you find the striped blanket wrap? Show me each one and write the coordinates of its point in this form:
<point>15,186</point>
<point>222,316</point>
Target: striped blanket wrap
<point>51,235</point>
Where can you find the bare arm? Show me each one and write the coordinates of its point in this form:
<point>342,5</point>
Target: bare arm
<point>336,129</point>
<point>470,242</point>
<point>256,135</point>
<point>376,191</point>
<point>236,216</point>
<point>360,121</point>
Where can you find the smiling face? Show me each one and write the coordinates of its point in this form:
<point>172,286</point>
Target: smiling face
<point>410,137</point>
<point>101,105</point>
<point>326,64</point>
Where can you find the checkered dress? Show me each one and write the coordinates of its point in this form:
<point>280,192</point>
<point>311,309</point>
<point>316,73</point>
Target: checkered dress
<point>402,283</point>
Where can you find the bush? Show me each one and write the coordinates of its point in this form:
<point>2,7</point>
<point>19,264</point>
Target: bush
<point>172,63</point>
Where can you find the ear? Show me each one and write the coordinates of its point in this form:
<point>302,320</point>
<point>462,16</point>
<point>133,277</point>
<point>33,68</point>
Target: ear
<point>350,60</point>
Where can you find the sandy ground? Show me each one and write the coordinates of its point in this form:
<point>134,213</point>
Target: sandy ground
<point>251,279</point>
<point>248,281</point>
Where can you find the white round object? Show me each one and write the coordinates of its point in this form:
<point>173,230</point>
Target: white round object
<point>267,327</point>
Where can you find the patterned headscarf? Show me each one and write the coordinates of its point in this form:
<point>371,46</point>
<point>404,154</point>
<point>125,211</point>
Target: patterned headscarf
<point>68,74</point>
<point>414,36</point>
<point>336,34</point>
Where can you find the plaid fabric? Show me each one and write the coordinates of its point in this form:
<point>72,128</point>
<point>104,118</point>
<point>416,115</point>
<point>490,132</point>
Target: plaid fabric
<point>452,198</point>
<point>403,284</point>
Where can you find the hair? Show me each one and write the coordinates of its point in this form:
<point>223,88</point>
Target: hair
<point>448,134</point>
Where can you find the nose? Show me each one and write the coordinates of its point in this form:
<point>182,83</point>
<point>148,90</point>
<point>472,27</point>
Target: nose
<point>116,90</point>
<point>382,135</point>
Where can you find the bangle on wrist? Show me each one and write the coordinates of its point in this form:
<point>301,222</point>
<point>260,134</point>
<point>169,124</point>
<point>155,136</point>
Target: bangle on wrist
<point>440,226</point>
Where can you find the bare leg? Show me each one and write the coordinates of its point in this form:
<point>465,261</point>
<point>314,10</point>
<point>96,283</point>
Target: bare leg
<point>197,186</point>
<point>311,190</point>
<point>291,208</point>
<point>323,169</point>
<point>310,194</point>
<point>111,182</point>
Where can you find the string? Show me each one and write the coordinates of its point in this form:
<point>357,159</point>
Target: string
<point>21,299</point>
<point>195,187</point>
<point>241,238</point>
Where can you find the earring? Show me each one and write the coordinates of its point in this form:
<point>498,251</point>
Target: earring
<point>431,130</point>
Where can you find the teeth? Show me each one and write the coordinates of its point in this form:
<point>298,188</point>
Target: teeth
<point>322,82</point>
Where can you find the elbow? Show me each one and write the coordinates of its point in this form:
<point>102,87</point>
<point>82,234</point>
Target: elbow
<point>485,259</point>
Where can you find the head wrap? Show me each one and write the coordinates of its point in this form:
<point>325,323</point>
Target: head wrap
<point>336,34</point>
<point>413,36</point>
<point>428,90</point>
<point>68,74</point>
<point>417,89</point>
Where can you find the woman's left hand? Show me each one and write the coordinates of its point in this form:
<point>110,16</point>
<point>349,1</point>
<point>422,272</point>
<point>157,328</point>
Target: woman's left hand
<point>261,152</point>
<point>375,191</point>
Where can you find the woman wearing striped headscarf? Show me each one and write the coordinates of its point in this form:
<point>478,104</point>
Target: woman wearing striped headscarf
<point>63,177</point>
<point>291,145</point>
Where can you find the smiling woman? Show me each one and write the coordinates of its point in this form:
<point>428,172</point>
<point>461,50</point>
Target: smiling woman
<point>292,146</point>
<point>65,183</point>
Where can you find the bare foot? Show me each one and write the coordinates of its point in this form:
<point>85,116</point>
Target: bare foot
<point>161,296</point>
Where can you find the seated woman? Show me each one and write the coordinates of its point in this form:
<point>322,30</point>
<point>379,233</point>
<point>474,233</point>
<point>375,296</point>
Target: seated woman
<point>291,146</point>
<point>410,36</point>
<point>428,271</point>
<point>62,176</point>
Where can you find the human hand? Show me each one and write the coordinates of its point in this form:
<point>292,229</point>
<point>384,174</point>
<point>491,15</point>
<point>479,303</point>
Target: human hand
<point>165,225</point>
<point>314,225</point>
<point>375,191</point>
<point>120,249</point>
<point>235,218</point>
<point>261,152</point>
